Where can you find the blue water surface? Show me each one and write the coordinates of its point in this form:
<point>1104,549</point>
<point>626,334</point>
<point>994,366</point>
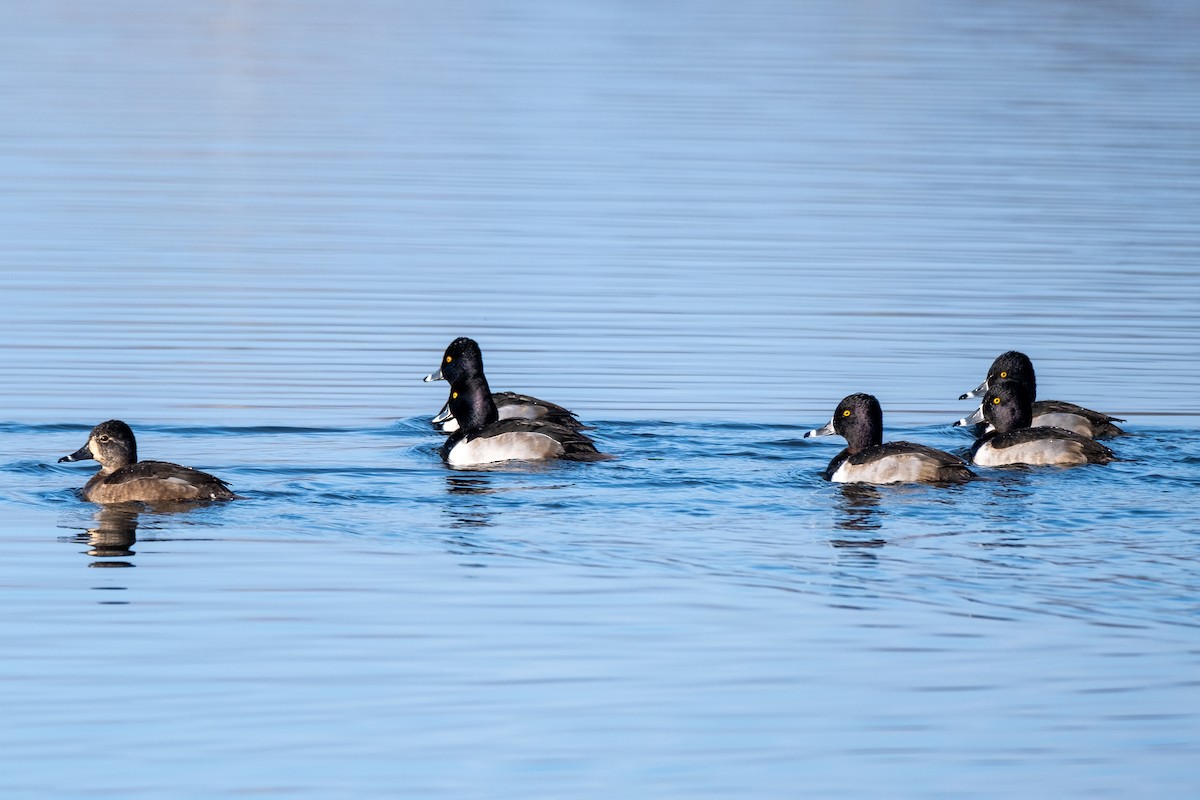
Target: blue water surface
<point>250,229</point>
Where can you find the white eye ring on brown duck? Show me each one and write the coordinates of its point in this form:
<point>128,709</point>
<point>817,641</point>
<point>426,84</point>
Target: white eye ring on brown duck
<point>463,359</point>
<point>1016,366</point>
<point>1012,441</point>
<point>867,459</point>
<point>124,479</point>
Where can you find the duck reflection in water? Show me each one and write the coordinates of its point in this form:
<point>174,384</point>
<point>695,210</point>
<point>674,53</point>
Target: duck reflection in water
<point>112,537</point>
<point>467,507</point>
<point>860,511</point>
<point>860,515</point>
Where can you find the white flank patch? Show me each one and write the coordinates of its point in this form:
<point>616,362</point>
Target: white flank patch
<point>1068,422</point>
<point>517,411</point>
<point>1043,452</point>
<point>892,469</point>
<point>515,446</point>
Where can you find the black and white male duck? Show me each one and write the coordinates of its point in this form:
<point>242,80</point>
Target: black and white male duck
<point>1008,409</point>
<point>866,459</point>
<point>483,437</point>
<point>124,479</point>
<point>1016,366</point>
<point>464,358</point>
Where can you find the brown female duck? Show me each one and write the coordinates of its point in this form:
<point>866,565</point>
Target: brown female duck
<point>124,479</point>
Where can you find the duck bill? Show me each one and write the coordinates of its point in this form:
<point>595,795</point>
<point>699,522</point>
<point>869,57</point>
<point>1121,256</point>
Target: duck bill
<point>435,376</point>
<point>974,419</point>
<point>827,430</point>
<point>82,454</point>
<point>442,415</point>
<point>978,391</point>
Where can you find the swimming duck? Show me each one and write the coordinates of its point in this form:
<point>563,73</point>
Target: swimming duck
<point>1007,407</point>
<point>463,358</point>
<point>867,459</point>
<point>510,405</point>
<point>1015,366</point>
<point>122,478</point>
<point>484,438</point>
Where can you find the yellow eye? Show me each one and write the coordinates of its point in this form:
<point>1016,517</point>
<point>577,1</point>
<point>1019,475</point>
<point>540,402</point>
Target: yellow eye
<point>1002,374</point>
<point>449,359</point>
<point>454,395</point>
<point>846,413</point>
<point>995,401</point>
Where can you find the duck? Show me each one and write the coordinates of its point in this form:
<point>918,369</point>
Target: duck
<point>463,357</point>
<point>1008,408</point>
<point>867,459</point>
<point>510,405</point>
<point>124,479</point>
<point>483,438</point>
<point>1016,366</point>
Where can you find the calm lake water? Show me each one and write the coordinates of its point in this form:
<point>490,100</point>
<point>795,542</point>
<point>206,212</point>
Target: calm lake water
<point>249,229</point>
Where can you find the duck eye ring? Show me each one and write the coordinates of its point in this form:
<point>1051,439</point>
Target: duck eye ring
<point>995,401</point>
<point>846,413</point>
<point>449,359</point>
<point>1003,374</point>
<point>454,395</point>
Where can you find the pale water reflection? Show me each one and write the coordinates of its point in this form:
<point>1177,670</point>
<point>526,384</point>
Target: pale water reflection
<point>248,230</point>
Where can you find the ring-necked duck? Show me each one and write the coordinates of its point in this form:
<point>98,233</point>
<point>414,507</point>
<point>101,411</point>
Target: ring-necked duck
<point>1007,407</point>
<point>484,438</point>
<point>510,405</point>
<point>463,358</point>
<point>124,479</point>
<point>1015,366</point>
<point>867,459</point>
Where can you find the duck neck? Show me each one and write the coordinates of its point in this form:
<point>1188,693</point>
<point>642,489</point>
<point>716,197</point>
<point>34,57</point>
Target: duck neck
<point>864,437</point>
<point>116,457</point>
<point>471,403</point>
<point>1013,418</point>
